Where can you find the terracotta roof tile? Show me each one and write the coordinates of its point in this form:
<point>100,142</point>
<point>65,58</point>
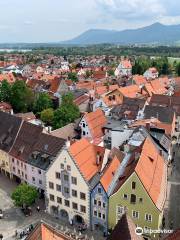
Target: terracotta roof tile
<point>96,120</point>
<point>85,155</point>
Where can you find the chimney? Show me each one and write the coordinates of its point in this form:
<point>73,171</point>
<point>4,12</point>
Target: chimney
<point>68,142</point>
<point>148,126</point>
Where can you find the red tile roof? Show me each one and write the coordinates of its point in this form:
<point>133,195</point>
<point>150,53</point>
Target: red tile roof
<point>85,155</point>
<point>173,236</point>
<point>109,173</point>
<point>152,171</point>
<point>96,121</point>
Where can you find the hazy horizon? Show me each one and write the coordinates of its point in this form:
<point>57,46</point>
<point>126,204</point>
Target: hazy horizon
<point>53,21</point>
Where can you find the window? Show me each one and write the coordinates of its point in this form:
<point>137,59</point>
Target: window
<point>84,133</point>
<point>58,187</point>
<point>25,166</point>
<point>95,213</point>
<point>135,214</point>
<point>14,169</point>
<point>99,214</point>
<point>66,203</point>
<point>84,125</point>
<point>59,200</point>
<point>75,206</point>
<point>99,203</point>
<point>74,180</point>
<point>51,185</point>
<point>95,202</point>
<point>74,193</point>
<point>125,196</point>
<point>66,178</point>
<point>62,166</point>
<point>140,200</point>
<point>68,168</point>
<point>119,212</point>
<point>39,171</point>
<point>22,165</point>
<point>66,190</point>
<point>104,216</point>
<point>104,205</point>
<point>13,160</point>
<point>22,174</point>
<point>32,169</point>
<point>148,217</point>
<point>25,176</point>
<point>33,178</point>
<point>17,162</point>
<point>83,209</point>
<point>18,171</point>
<point>82,196</point>
<point>99,190</point>
<point>51,197</point>
<point>58,175</point>
<point>133,199</point>
<point>133,185</point>
<point>40,182</point>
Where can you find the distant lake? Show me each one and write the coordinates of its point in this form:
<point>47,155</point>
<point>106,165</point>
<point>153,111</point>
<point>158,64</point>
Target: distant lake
<point>14,50</point>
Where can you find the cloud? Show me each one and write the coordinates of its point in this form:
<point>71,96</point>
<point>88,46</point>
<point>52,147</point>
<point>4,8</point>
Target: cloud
<point>131,9</point>
<point>28,22</point>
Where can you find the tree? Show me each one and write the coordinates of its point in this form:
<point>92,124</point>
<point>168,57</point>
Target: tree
<point>178,69</point>
<point>66,113</point>
<point>73,76</point>
<point>22,97</point>
<point>47,116</point>
<point>24,195</point>
<point>5,91</point>
<point>111,72</point>
<point>42,102</point>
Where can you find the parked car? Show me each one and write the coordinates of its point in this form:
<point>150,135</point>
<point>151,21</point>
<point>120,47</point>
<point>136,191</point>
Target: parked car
<point>1,214</point>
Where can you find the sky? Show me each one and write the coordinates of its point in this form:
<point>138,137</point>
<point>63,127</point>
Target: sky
<point>58,20</point>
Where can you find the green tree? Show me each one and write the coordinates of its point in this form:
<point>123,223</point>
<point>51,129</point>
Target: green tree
<point>178,69</point>
<point>47,116</point>
<point>73,76</point>
<point>22,97</point>
<point>42,102</point>
<point>66,113</point>
<point>5,91</point>
<point>111,72</point>
<point>24,195</point>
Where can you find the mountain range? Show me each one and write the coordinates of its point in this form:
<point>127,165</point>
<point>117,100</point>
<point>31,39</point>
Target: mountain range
<point>156,33</point>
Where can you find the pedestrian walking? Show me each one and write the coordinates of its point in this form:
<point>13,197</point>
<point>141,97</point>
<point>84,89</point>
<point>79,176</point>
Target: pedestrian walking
<point>38,208</point>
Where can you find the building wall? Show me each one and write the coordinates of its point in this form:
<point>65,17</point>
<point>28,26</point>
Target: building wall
<point>146,207</point>
<point>36,177</point>
<point>85,131</point>
<point>103,210</point>
<point>5,163</point>
<point>81,186</point>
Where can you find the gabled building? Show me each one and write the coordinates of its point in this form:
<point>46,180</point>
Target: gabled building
<point>139,187</point>
<point>92,124</point>
<point>99,195</point>
<point>124,68</point>
<point>43,153</point>
<point>70,179</point>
